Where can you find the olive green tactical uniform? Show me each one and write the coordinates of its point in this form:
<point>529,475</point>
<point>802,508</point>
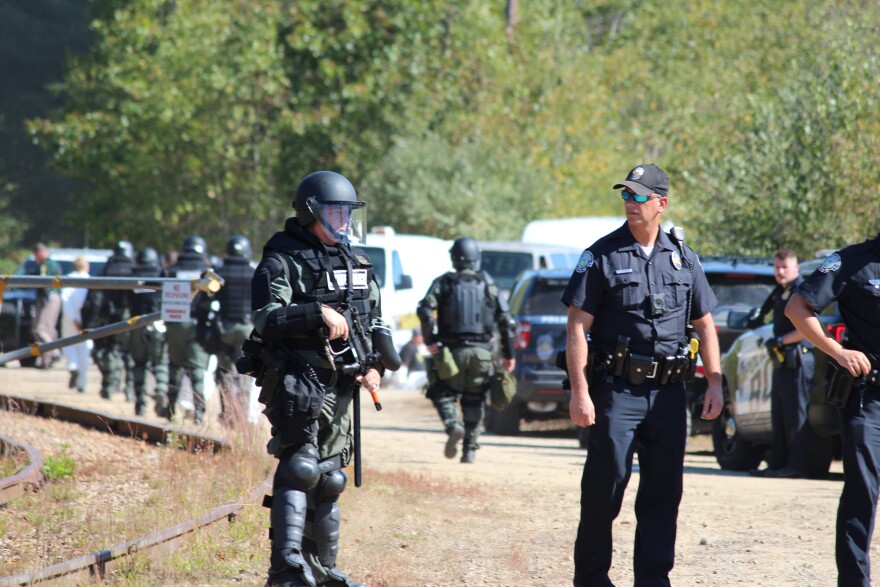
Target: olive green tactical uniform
<point>308,402</point>
<point>471,350</point>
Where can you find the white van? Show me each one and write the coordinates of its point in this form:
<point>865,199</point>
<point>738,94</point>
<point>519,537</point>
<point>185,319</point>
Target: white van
<point>405,265</point>
<point>579,232</point>
<point>505,260</point>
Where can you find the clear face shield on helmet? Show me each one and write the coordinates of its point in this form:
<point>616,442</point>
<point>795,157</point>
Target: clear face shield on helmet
<point>345,222</point>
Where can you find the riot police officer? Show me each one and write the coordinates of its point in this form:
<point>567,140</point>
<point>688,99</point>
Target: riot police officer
<point>314,295</point>
<point>642,296</point>
<point>185,355</point>
<point>852,278</point>
<point>468,310</point>
<point>104,307</point>
<point>147,345</point>
<point>234,318</point>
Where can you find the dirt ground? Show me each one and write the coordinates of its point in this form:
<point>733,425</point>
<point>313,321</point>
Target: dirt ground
<point>510,518</point>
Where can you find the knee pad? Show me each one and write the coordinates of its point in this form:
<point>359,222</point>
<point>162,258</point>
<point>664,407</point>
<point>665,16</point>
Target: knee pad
<point>298,469</point>
<point>330,487</point>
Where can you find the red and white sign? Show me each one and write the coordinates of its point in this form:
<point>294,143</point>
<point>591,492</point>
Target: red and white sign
<point>175,302</point>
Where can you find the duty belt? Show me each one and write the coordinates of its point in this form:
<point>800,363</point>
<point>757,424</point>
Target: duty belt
<point>638,369</point>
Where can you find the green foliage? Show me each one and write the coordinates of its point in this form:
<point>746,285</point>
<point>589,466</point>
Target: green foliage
<point>58,466</point>
<point>201,116</point>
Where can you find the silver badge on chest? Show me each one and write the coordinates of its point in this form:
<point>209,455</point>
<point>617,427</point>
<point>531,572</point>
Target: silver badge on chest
<point>676,260</point>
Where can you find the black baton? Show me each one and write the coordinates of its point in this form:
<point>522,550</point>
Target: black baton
<point>356,398</point>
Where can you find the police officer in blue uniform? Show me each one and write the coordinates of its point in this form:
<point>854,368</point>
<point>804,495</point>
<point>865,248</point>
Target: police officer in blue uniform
<point>792,376</point>
<point>852,278</point>
<point>643,298</point>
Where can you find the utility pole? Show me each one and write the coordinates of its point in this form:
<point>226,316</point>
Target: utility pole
<point>512,13</point>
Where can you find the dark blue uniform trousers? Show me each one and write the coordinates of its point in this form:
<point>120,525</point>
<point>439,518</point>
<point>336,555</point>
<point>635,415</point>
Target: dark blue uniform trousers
<point>653,416</point>
<point>860,442</point>
<point>789,409</point>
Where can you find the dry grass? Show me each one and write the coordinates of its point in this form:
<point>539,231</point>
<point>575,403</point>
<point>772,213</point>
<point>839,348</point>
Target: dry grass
<point>121,489</point>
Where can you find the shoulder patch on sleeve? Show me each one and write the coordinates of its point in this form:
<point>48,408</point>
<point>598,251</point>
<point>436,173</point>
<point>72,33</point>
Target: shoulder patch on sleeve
<point>831,263</point>
<point>585,262</point>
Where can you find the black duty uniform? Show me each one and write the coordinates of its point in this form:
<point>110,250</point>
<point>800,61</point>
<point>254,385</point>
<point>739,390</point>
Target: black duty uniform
<point>852,278</point>
<point>793,368</point>
<point>642,399</point>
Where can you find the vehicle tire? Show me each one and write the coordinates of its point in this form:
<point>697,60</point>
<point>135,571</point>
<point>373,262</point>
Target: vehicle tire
<point>583,436</point>
<point>504,422</point>
<point>731,451</point>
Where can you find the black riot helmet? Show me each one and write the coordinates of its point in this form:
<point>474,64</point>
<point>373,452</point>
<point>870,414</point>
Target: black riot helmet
<point>194,244</point>
<point>330,199</point>
<point>238,246</point>
<point>148,256</point>
<point>465,253</point>
<point>124,249</point>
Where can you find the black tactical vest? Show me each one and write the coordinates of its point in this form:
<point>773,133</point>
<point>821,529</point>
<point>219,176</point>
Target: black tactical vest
<point>115,301</point>
<point>464,311</point>
<point>146,302</point>
<point>325,278</point>
<point>235,295</point>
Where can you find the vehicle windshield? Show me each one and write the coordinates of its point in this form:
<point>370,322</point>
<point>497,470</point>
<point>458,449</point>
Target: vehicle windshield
<point>745,291</point>
<point>545,298</point>
<point>504,266</point>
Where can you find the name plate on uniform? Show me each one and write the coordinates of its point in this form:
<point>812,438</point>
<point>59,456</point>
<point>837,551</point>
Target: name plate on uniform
<point>358,279</point>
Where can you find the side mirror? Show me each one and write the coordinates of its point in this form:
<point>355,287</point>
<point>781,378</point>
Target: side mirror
<point>739,319</point>
<point>405,282</point>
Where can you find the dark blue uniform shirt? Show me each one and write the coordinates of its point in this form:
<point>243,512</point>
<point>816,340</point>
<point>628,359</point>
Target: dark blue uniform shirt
<point>781,323</point>
<point>613,281</point>
<point>852,277</point>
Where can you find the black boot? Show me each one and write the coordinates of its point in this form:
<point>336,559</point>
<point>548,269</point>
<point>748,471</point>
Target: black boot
<point>287,567</point>
<point>326,530</point>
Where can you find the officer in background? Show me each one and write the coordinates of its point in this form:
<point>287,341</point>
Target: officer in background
<point>234,319</point>
<point>185,355</point>
<point>308,280</point>
<point>642,296</point>
<point>468,309</point>
<point>852,278</point>
<point>107,306</point>
<point>147,346</point>
<point>792,376</point>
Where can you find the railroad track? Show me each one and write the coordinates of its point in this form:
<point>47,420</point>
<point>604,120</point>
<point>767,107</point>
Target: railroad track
<point>154,545</point>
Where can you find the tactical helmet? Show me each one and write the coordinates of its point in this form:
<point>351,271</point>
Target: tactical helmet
<point>194,244</point>
<point>465,253</point>
<point>124,249</point>
<point>148,256</point>
<point>323,192</point>
<point>238,246</point>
